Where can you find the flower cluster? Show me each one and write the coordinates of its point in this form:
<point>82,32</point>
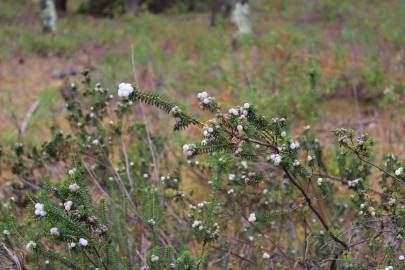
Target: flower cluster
<point>189,150</point>
<point>39,209</point>
<point>202,225</point>
<point>74,187</point>
<point>125,89</point>
<point>205,99</point>
<point>275,158</point>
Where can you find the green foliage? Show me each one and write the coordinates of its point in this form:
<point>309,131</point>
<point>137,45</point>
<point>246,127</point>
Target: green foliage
<point>146,206</point>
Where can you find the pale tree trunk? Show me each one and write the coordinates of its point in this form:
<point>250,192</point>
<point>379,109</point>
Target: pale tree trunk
<point>241,17</point>
<point>48,15</point>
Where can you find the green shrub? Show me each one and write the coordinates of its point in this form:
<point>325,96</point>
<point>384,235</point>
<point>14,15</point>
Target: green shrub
<point>271,199</point>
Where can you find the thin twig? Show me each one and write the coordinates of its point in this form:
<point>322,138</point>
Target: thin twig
<point>313,209</point>
<point>127,167</point>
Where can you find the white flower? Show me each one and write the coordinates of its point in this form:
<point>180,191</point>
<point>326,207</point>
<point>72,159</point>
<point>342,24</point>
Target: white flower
<point>152,222</point>
<point>233,111</point>
<point>294,145</point>
<point>320,180</point>
<point>354,182</point>
<point>175,110</point>
<point>154,258</point>
<point>83,242</point>
<point>71,245</point>
<point>201,204</point>
<point>39,206</point>
<point>95,142</point>
<point>276,158</point>
<point>310,158</point>
<point>72,171</point>
<point>30,244</point>
<point>399,171</point>
<point>6,232</point>
<point>231,177</point>
<point>73,187</point>
<point>46,262</point>
<point>246,106</point>
<point>392,201</point>
<point>389,268</point>
<point>240,128</point>
<point>283,134</point>
<point>362,206</point>
<point>125,89</point>
<point>188,150</point>
<point>202,95</point>
<point>206,101</point>
<point>231,191</point>
<point>145,175</point>
<point>401,257</point>
<point>296,163</point>
<point>251,238</point>
<point>252,217</point>
<point>68,205</point>
<point>54,231</point>
<point>196,223</point>
<point>266,255</point>
<point>39,209</point>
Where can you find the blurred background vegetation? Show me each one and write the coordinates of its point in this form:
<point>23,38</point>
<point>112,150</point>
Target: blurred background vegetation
<point>321,62</point>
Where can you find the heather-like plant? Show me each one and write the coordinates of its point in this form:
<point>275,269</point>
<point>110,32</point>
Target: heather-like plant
<point>279,185</point>
<point>98,195</point>
<point>108,195</point>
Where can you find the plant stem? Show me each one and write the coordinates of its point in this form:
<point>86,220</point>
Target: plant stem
<point>313,209</point>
